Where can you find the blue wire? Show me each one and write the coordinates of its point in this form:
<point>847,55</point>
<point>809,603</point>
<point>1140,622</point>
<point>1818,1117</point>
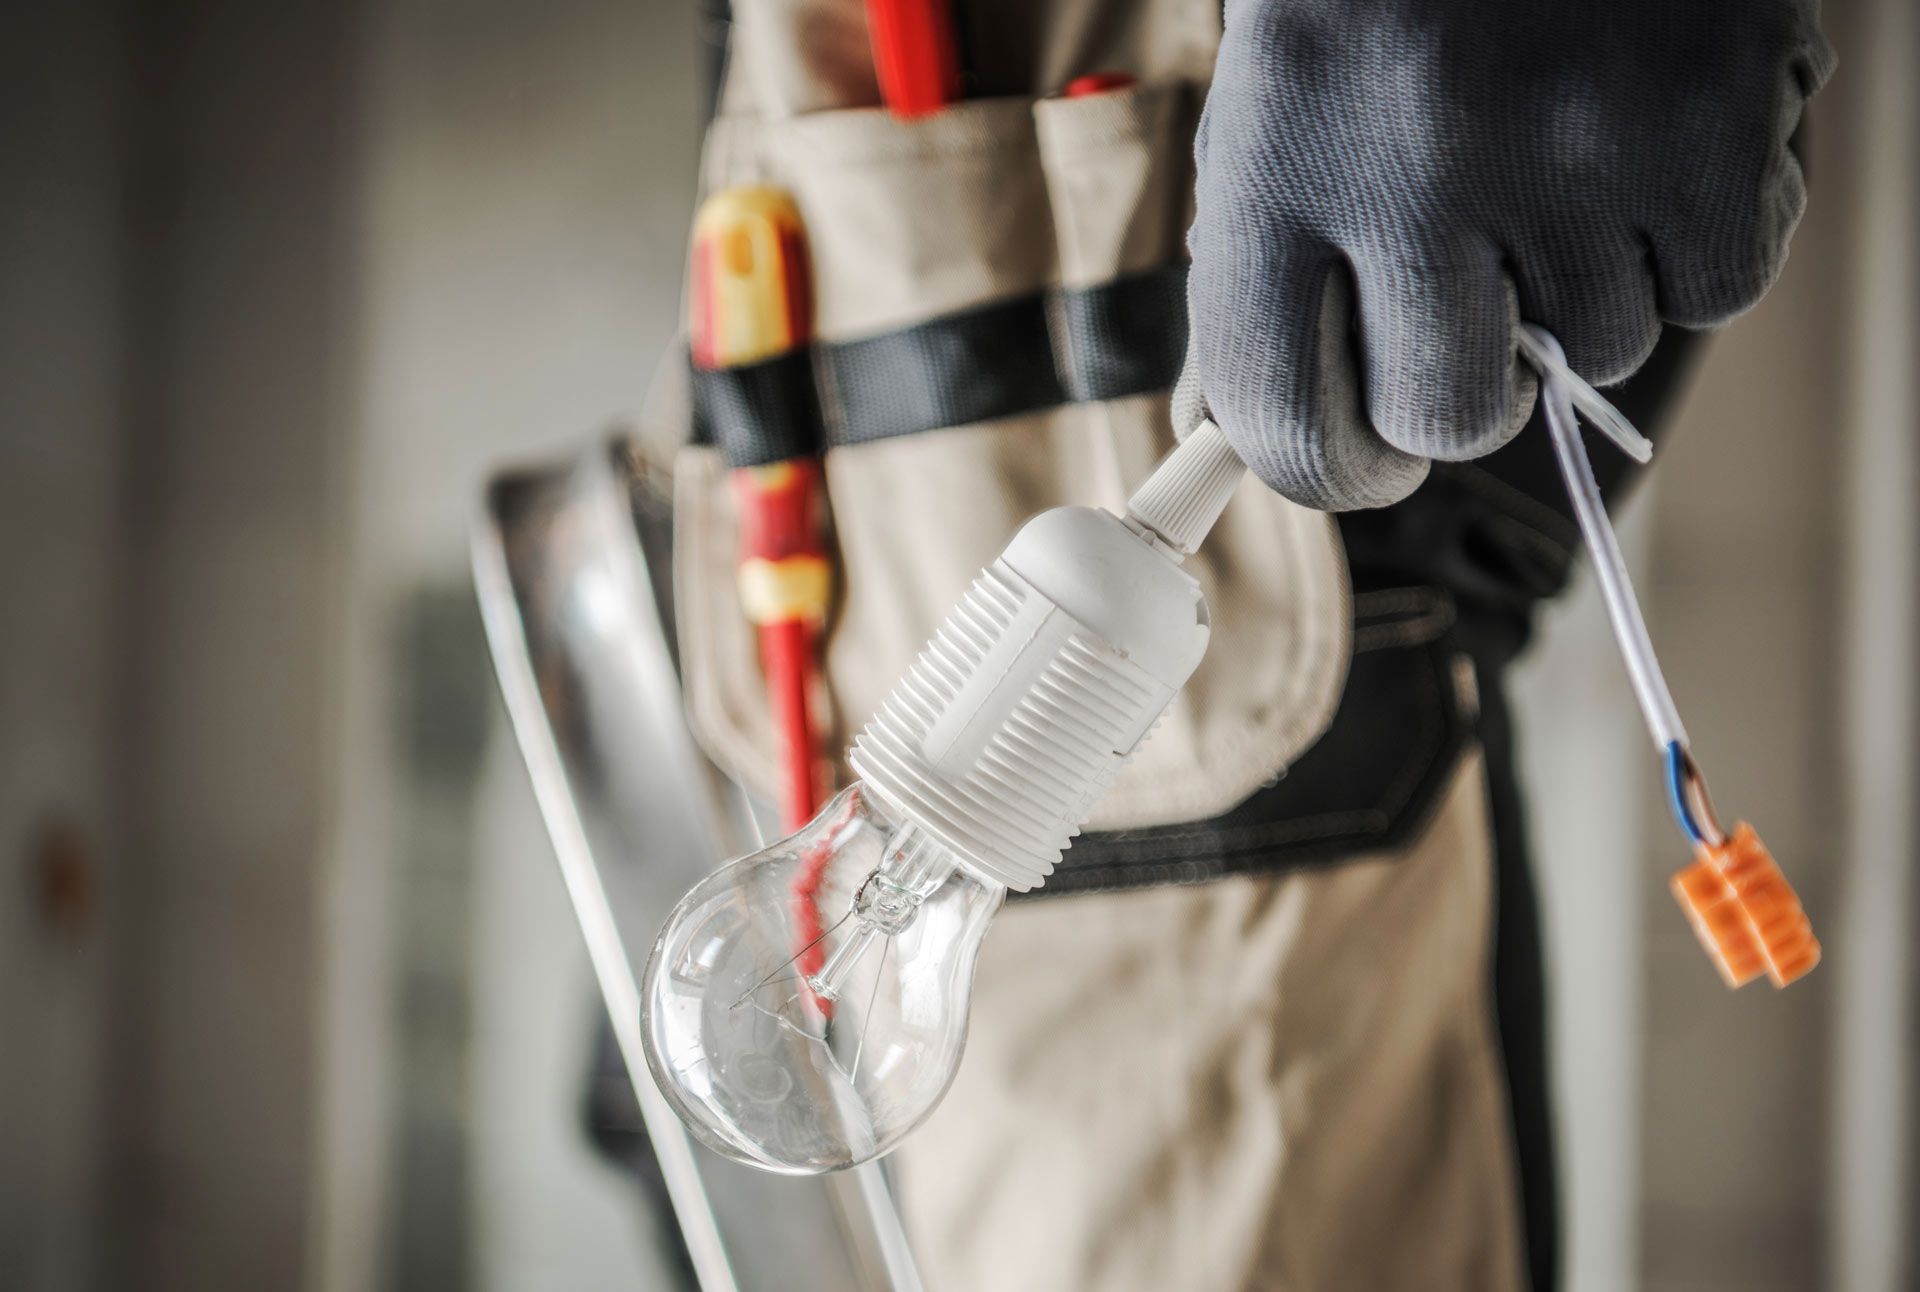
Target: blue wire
<point>1677,794</point>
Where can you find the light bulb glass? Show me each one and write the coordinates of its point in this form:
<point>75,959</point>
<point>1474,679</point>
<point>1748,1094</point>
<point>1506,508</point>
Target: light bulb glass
<point>805,1007</point>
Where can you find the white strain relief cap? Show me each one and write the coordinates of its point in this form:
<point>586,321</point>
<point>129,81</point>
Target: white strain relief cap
<point>1050,672</point>
<point>1184,497</point>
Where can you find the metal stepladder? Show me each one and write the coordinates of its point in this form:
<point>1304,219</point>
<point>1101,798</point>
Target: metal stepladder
<point>572,564</point>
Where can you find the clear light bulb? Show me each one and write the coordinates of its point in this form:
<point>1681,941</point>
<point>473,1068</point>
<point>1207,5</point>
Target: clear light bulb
<point>806,1006</point>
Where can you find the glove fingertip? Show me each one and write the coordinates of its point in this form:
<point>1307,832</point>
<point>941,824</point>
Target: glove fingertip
<point>1443,379</point>
<point>1488,424</point>
<point>1335,466</point>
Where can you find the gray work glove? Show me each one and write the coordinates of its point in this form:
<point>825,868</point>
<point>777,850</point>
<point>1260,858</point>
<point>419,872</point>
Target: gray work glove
<point>1386,186</point>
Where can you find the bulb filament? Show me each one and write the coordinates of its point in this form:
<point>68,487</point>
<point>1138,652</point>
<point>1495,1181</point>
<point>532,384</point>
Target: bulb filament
<point>885,905</point>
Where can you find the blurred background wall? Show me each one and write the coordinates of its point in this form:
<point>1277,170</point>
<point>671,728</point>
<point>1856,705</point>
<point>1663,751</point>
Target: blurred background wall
<point>281,283</point>
<point>290,995</point>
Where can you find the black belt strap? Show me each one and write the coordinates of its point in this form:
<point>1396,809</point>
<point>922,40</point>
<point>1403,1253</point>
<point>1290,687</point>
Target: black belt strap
<point>1021,355</point>
<point>759,412</point>
<point>1126,337</point>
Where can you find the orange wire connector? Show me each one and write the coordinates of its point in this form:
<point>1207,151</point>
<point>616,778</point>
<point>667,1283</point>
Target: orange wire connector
<point>1744,911</point>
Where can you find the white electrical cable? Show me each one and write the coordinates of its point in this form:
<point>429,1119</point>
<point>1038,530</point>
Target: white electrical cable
<point>1560,390</point>
<point>1542,350</point>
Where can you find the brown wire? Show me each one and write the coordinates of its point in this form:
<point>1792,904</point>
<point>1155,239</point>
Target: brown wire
<point>1700,802</point>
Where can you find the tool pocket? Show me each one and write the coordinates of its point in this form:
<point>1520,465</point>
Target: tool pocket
<point>1000,309</point>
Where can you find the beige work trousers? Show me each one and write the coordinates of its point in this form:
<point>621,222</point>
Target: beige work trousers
<point>1288,1083</point>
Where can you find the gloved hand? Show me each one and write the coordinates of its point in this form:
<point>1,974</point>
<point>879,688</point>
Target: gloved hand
<point>1386,186</point>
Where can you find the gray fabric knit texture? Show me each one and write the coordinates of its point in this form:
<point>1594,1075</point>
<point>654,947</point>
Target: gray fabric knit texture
<point>1385,187</point>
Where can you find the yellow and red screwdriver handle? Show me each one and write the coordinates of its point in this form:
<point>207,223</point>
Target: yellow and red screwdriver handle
<point>751,299</point>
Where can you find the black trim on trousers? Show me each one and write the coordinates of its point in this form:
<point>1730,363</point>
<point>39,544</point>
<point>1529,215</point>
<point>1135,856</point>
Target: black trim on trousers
<point>1369,783</point>
<point>1519,987</point>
